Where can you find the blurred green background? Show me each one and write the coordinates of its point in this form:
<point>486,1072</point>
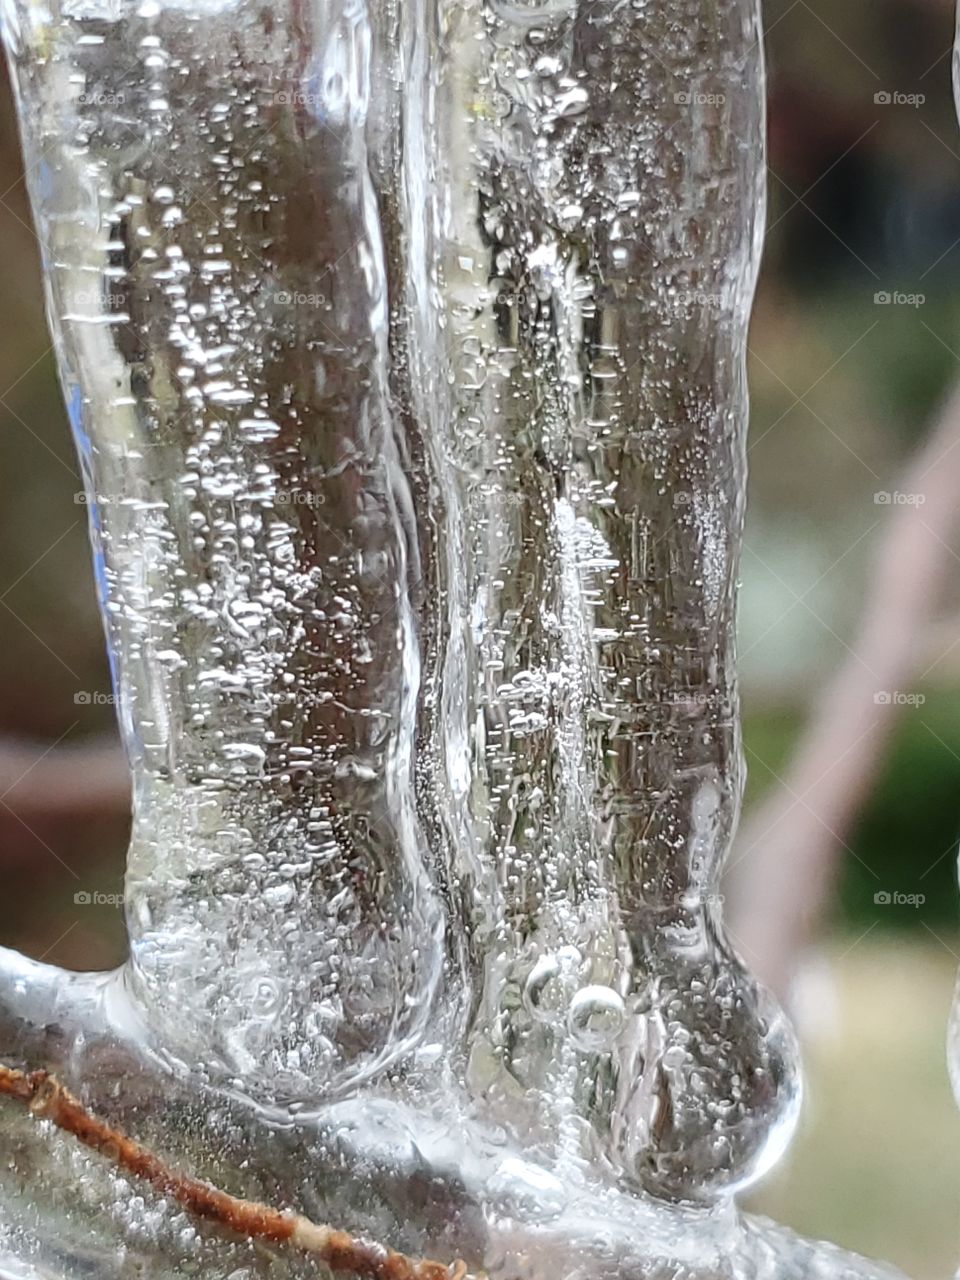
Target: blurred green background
<point>864,201</point>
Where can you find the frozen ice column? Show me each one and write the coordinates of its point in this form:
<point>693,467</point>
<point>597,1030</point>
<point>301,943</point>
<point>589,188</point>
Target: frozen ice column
<point>217,287</point>
<point>598,188</point>
<point>706,1090</point>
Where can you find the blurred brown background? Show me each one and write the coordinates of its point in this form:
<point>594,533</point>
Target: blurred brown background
<point>843,888</point>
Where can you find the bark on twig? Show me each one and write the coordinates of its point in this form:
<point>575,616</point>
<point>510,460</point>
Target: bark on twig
<point>73,782</point>
<point>47,1099</point>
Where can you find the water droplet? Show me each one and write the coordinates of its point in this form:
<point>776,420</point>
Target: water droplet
<point>596,1017</point>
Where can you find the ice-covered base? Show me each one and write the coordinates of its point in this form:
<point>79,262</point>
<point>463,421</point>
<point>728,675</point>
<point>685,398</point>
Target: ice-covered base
<point>67,1214</point>
<point>414,1169</point>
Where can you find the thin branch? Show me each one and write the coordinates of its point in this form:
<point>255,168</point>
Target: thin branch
<point>791,845</point>
<point>47,1099</point>
<point>66,781</point>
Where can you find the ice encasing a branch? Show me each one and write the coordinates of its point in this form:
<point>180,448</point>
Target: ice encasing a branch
<point>404,350</point>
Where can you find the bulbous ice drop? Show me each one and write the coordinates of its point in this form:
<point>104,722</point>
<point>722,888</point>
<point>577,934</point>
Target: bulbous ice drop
<point>597,196</point>
<point>217,283</point>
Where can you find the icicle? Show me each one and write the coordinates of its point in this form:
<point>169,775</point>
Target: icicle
<point>219,300</point>
<point>599,249</point>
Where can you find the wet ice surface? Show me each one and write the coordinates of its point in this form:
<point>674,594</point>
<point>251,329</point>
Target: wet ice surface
<point>404,352</point>
<point>433,1181</point>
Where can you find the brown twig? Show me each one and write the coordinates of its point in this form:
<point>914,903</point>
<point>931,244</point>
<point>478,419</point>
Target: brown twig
<point>790,847</point>
<point>47,1099</point>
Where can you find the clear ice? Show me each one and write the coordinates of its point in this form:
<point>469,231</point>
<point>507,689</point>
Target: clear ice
<point>404,351</point>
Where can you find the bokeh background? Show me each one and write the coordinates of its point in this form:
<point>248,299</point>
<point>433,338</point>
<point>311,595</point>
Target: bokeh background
<point>842,890</point>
